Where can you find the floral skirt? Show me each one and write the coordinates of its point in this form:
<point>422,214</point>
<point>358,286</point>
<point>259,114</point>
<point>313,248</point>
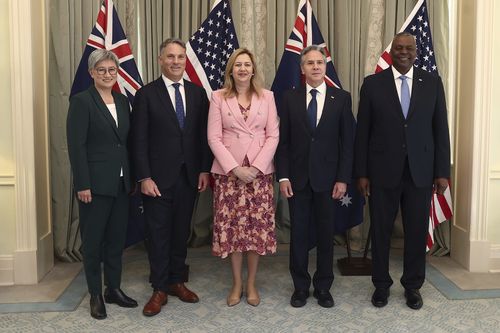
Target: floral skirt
<point>243,215</point>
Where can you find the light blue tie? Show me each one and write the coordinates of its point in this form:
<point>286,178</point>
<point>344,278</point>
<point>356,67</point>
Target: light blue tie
<point>405,95</point>
<point>179,105</point>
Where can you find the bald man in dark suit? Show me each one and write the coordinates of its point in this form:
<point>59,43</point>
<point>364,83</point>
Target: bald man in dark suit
<point>402,151</point>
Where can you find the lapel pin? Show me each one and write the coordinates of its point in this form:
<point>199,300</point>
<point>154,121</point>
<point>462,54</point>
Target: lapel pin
<point>420,80</point>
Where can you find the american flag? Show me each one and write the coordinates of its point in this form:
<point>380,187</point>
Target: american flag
<point>418,25</point>
<point>108,34</point>
<point>209,48</point>
<point>305,32</point>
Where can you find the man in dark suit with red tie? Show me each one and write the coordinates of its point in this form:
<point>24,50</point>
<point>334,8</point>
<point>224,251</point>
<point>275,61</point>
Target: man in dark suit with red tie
<point>402,151</point>
<point>172,162</point>
<point>314,162</point>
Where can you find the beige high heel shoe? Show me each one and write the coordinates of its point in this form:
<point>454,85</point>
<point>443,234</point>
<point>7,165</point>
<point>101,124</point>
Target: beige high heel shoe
<point>253,300</point>
<point>232,301</point>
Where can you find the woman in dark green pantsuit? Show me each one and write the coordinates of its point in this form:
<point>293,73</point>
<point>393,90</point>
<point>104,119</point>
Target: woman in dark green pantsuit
<point>97,130</point>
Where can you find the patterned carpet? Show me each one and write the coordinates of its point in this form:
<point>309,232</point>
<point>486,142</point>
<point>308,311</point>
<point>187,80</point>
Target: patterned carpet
<point>210,278</point>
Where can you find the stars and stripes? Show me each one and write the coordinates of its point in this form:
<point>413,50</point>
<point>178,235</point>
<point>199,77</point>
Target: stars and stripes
<point>418,25</point>
<point>108,34</point>
<point>209,48</point>
<point>305,32</point>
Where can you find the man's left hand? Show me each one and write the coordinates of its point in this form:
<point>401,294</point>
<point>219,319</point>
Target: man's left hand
<point>440,185</point>
<point>203,181</point>
<point>339,190</point>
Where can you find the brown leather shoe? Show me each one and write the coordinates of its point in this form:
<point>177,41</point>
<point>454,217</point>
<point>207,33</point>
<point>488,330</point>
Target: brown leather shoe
<point>184,294</point>
<point>153,306</point>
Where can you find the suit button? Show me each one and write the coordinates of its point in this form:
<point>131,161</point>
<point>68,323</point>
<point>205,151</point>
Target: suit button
<point>229,114</point>
<point>237,135</point>
<point>256,126</point>
<point>404,146</point>
<point>312,139</point>
<point>232,126</point>
<point>406,125</point>
<point>118,145</point>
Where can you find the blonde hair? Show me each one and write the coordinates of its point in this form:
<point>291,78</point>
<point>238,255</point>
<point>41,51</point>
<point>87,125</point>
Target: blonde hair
<point>229,86</point>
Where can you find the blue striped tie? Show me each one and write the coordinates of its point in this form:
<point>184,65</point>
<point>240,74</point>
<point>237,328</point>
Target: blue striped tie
<point>405,95</point>
<point>179,105</point>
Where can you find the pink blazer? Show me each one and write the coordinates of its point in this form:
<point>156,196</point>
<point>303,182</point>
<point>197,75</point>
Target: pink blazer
<point>231,138</point>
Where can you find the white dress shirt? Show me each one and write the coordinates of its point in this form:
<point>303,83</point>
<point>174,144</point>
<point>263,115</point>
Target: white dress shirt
<point>397,80</point>
<point>112,110</point>
<point>171,91</point>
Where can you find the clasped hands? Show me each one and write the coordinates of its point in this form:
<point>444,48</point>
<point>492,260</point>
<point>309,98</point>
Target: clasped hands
<point>245,174</point>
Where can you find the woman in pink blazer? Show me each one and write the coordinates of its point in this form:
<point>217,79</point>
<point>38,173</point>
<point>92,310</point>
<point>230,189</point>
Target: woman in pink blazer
<point>243,133</point>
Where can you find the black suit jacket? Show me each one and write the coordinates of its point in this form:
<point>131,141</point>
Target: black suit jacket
<point>322,156</point>
<point>97,147</point>
<point>384,138</point>
<point>160,146</point>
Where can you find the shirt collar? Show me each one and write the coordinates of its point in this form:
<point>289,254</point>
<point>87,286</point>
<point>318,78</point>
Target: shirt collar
<point>169,82</point>
<point>321,88</point>
<point>397,74</point>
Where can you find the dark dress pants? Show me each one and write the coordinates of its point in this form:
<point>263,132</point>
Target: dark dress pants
<point>168,220</point>
<point>415,207</point>
<point>309,209</point>
<point>103,229</point>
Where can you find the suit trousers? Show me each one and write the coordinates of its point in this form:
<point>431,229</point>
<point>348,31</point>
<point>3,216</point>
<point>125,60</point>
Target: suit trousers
<point>310,209</point>
<point>415,206</point>
<point>103,229</point>
<point>168,220</point>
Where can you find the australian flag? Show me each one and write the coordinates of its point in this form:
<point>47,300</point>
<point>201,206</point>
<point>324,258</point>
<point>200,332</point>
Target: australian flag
<point>209,48</point>
<point>108,34</point>
<point>305,32</point>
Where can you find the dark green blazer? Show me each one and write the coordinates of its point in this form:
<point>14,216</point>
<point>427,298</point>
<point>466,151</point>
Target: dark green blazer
<point>97,147</point>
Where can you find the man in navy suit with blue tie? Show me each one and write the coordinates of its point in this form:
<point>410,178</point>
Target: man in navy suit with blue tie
<point>314,163</point>
<point>172,162</point>
<point>402,151</point>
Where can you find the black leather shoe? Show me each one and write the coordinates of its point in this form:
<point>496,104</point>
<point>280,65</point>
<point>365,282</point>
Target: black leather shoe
<point>97,308</point>
<point>324,298</point>
<point>117,296</point>
<point>299,298</point>
<point>379,297</point>
<point>413,299</point>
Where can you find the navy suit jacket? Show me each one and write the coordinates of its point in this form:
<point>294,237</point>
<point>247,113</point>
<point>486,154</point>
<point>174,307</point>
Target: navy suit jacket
<point>160,146</point>
<point>322,156</point>
<point>384,138</point>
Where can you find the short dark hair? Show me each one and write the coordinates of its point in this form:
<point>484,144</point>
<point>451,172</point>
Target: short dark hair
<point>172,41</point>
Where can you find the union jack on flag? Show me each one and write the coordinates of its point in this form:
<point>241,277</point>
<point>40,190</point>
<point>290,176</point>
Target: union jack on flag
<point>209,48</point>
<point>305,32</point>
<point>108,34</point>
<point>418,25</point>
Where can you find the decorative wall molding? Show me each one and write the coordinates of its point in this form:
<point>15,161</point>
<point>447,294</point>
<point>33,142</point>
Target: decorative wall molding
<point>7,180</point>
<point>482,110</point>
<point>6,270</point>
<point>25,264</point>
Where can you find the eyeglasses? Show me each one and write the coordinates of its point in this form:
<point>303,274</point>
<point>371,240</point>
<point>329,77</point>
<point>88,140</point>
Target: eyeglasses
<point>104,70</point>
